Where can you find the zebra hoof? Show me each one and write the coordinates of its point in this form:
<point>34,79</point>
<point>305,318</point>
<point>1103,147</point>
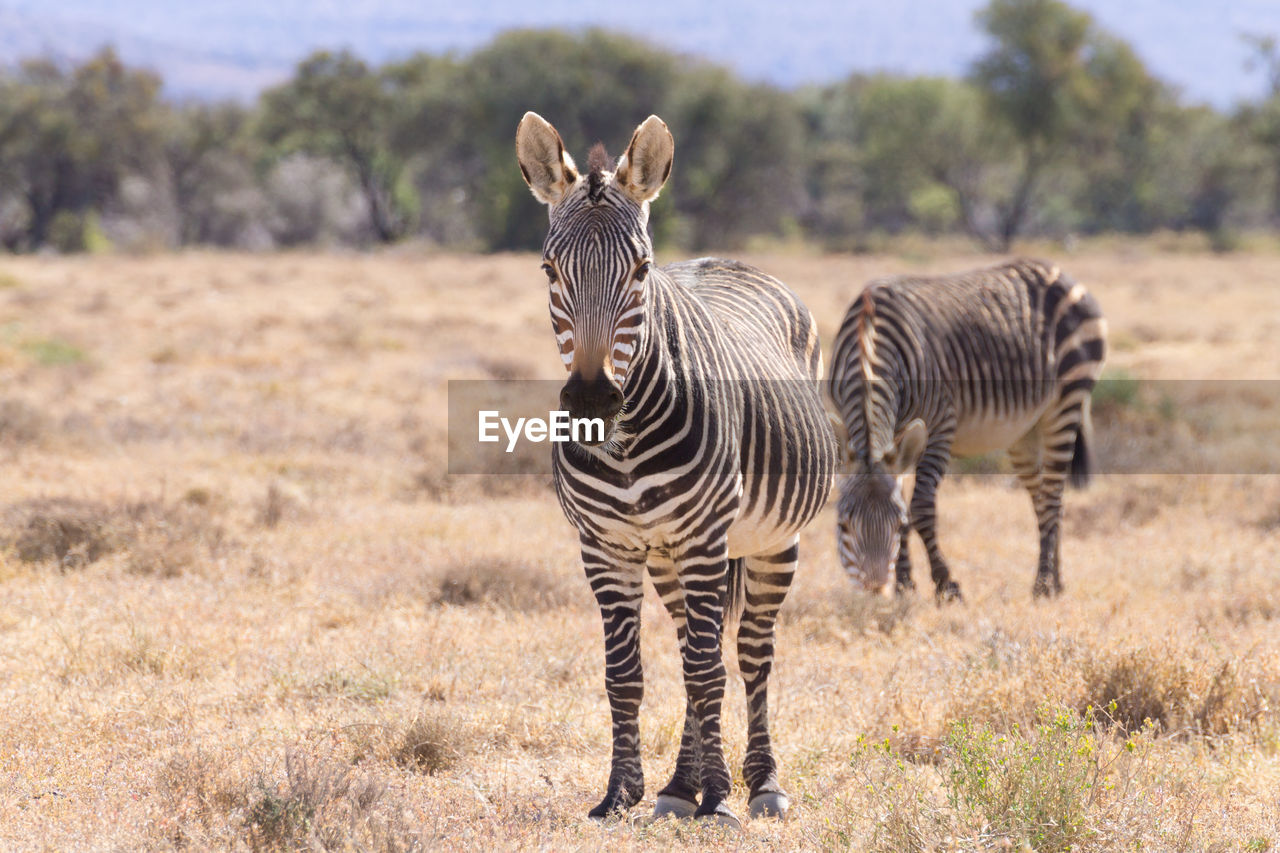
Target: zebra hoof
<point>1046,589</point>
<point>674,806</point>
<point>612,808</point>
<point>769,804</point>
<point>949,592</point>
<point>720,816</point>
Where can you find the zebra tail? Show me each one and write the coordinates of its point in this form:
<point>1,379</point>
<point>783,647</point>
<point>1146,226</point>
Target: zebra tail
<point>1082,456</point>
<point>735,592</point>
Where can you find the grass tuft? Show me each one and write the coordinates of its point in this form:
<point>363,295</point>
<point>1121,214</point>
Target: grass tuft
<point>167,539</point>
<point>367,686</point>
<point>319,805</point>
<point>21,423</point>
<point>200,791</point>
<point>431,743</point>
<point>505,583</point>
<point>278,505</point>
<point>434,741</point>
<point>71,533</point>
<point>163,539</point>
<point>1175,693</point>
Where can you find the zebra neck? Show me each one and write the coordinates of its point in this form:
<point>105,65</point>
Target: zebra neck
<point>880,403</point>
<point>645,390</point>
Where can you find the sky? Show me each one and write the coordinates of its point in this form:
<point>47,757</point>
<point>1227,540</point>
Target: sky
<point>235,47</point>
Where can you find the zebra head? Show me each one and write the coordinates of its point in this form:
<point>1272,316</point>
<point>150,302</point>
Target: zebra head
<point>872,511</point>
<point>597,255</point>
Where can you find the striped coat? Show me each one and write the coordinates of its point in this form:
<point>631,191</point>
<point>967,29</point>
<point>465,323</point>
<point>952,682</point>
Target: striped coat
<point>926,368</point>
<point>717,452</point>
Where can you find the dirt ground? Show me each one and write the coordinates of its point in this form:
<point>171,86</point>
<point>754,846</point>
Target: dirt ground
<point>242,604</point>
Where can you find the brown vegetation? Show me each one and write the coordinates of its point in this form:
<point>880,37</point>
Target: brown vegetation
<point>245,605</point>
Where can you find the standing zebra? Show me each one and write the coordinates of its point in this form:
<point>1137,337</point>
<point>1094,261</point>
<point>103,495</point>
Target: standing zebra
<point>706,474</point>
<point>1000,358</point>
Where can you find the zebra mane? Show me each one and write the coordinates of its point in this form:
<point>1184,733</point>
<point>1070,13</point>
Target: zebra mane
<point>867,345</point>
<point>598,162</point>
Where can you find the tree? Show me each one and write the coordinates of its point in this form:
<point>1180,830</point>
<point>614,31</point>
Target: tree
<point>433,131</point>
<point>1056,82</point>
<point>337,107</point>
<point>209,153</point>
<point>1263,118</point>
<point>69,138</point>
<point>739,159</point>
<point>904,153</point>
<point>924,132</point>
<point>594,87</point>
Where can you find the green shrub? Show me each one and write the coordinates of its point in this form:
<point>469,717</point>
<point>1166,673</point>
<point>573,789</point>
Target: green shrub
<point>1065,782</point>
<point>1032,788</point>
<point>1116,391</point>
<point>52,352</point>
<point>71,232</point>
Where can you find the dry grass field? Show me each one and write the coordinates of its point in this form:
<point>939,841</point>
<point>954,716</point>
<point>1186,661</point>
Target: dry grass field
<point>242,605</point>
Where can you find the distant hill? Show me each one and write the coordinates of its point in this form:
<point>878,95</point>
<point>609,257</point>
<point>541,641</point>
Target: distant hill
<point>233,48</point>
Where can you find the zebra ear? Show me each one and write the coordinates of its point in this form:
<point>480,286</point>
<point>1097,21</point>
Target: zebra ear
<point>547,169</point>
<point>644,169</point>
<point>910,448</point>
<point>842,438</point>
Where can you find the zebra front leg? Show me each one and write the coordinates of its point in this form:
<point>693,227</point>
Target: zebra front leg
<point>768,579</point>
<point>617,578</point>
<point>703,573</point>
<point>924,513</point>
<point>680,796</point>
<point>902,569</point>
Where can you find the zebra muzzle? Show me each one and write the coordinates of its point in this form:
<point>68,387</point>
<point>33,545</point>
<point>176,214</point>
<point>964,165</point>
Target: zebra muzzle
<point>591,398</point>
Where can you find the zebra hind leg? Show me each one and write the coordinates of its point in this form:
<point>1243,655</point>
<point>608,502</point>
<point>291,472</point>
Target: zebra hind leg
<point>617,581</point>
<point>680,796</point>
<point>1056,448</point>
<point>768,576</point>
<point>1027,456</point>
<point>1049,516</point>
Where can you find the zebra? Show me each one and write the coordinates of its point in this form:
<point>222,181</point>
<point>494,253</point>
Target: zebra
<point>717,452</point>
<point>924,368</point>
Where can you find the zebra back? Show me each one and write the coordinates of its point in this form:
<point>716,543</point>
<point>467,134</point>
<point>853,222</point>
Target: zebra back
<point>987,346</point>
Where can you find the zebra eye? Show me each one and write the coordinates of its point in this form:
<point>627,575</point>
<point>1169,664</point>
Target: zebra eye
<point>551,273</point>
<point>642,271</point>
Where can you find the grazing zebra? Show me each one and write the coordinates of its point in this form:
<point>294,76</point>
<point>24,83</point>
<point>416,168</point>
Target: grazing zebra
<point>706,474</point>
<point>924,368</point>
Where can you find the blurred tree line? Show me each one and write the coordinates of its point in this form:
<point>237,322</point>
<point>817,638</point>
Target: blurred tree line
<point>1057,129</point>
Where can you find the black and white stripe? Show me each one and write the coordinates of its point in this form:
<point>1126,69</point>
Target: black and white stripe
<point>927,368</point>
<point>718,453</point>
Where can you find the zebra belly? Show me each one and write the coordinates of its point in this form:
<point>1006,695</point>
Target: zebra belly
<point>750,536</point>
<point>641,520</point>
<point>640,514</point>
<point>984,433</point>
<point>763,527</point>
